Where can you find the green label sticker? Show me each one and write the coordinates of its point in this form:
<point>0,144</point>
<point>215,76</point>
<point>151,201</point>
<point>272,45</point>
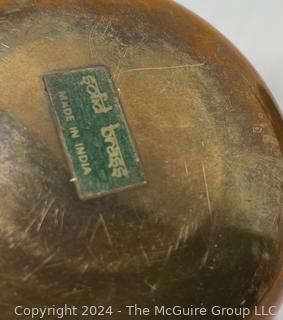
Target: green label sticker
<point>94,131</point>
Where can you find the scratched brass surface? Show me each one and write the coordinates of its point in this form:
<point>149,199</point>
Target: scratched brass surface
<point>206,229</point>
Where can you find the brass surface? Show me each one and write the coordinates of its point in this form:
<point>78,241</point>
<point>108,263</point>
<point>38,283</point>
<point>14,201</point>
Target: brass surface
<point>206,229</point>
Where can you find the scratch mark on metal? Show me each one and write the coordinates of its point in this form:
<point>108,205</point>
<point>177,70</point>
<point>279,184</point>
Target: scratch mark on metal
<point>205,257</point>
<point>3,20</point>
<point>102,222</point>
<point>5,60</point>
<point>107,28</point>
<point>145,256</point>
<point>126,51</point>
<point>153,287</point>
<point>183,235</point>
<point>62,222</point>
<point>168,255</point>
<point>45,262</point>
<point>90,252</point>
<point>207,191</point>
<point>31,212</point>
<point>164,68</point>
<point>186,168</point>
<point>186,232</point>
<point>93,235</point>
<point>84,230</point>
<point>106,231</point>
<point>5,45</point>
<point>91,41</point>
<point>44,214</point>
<point>75,292</point>
<point>118,73</point>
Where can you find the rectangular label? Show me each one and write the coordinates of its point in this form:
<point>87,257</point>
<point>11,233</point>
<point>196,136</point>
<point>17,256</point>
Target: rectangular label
<point>94,131</point>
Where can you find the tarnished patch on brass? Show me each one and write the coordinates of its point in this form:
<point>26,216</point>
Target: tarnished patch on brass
<point>94,131</point>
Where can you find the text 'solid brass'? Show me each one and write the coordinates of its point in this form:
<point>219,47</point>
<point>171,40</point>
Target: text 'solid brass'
<point>94,131</point>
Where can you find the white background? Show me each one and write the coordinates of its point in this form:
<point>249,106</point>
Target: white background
<point>255,27</point>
